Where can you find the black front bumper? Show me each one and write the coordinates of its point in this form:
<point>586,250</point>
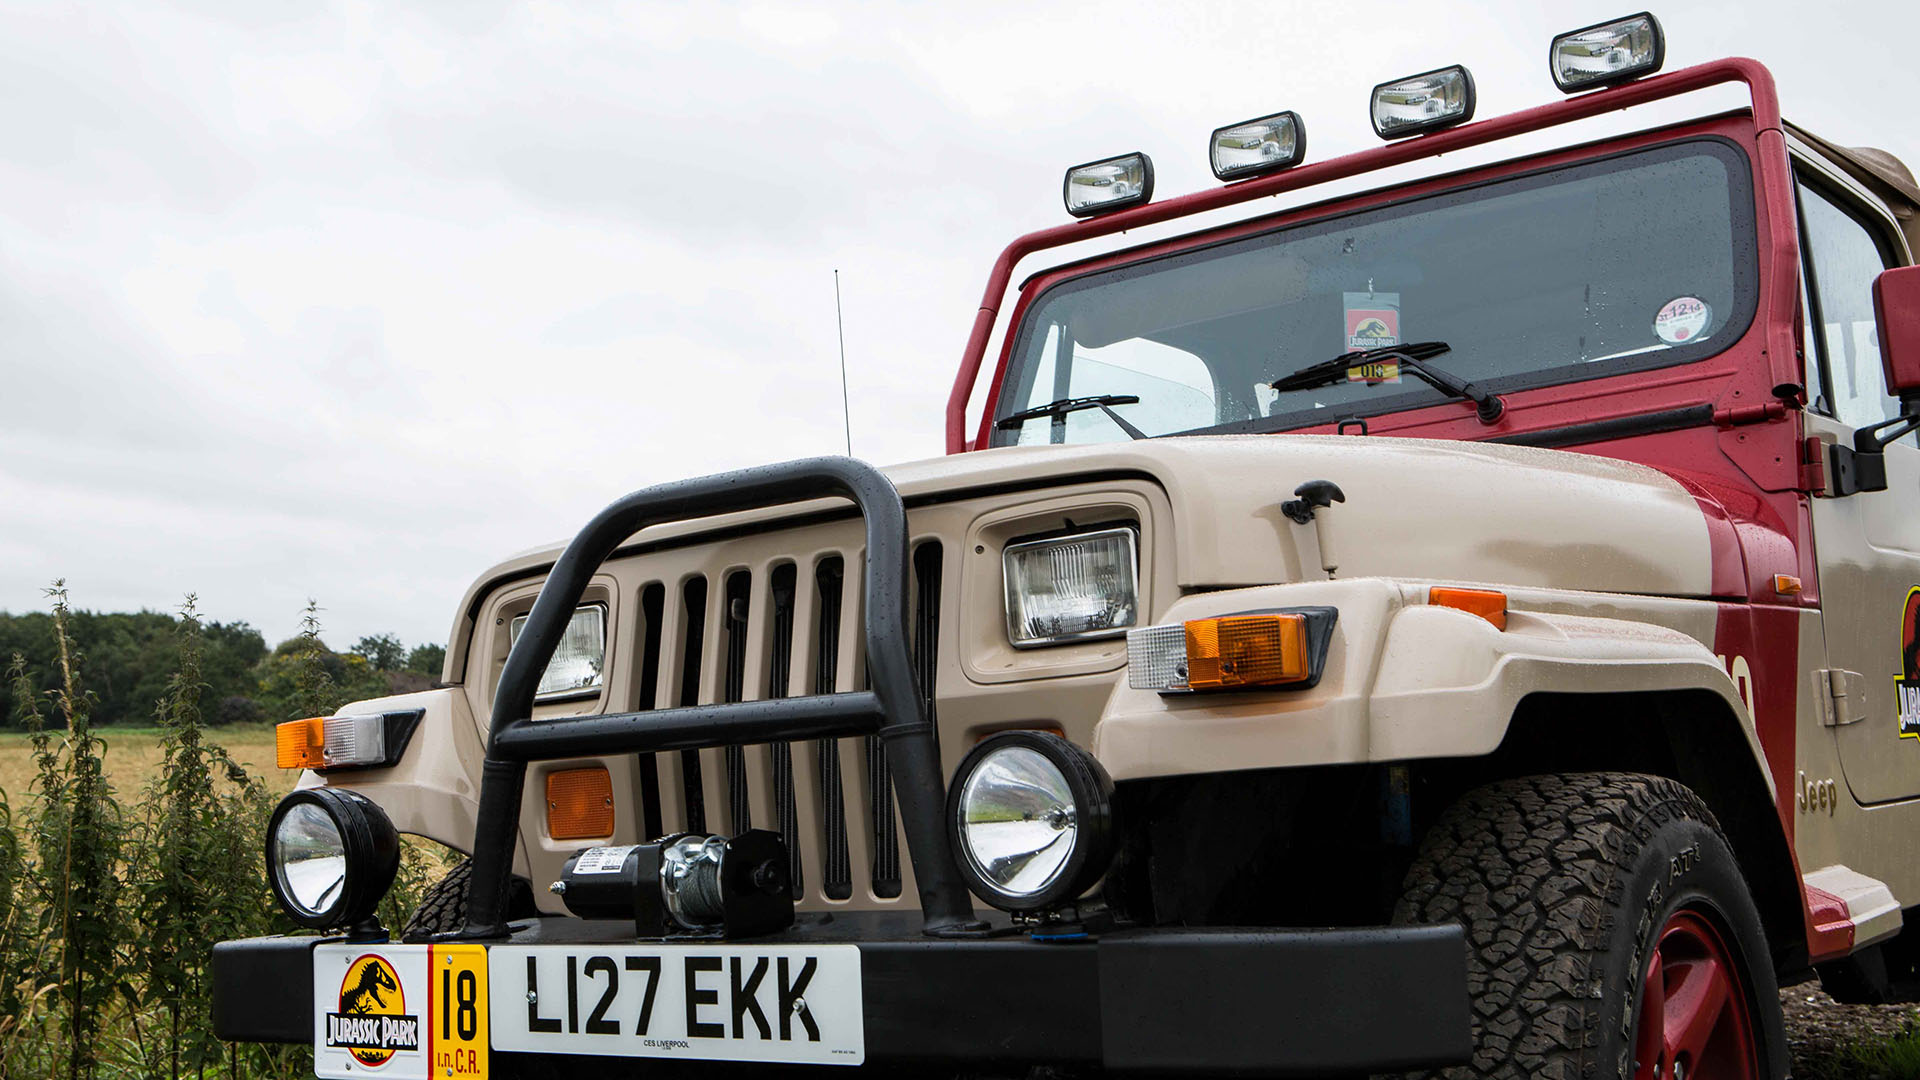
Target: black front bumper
<point>1242,1000</point>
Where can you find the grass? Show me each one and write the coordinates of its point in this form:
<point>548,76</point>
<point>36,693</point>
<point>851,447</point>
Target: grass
<point>1868,1058</point>
<point>1891,1060</point>
<point>133,757</point>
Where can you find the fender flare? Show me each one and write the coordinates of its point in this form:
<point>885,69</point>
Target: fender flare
<point>434,789</point>
<point>1405,680</point>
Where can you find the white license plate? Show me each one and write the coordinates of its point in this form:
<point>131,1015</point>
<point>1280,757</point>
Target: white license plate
<point>772,1003</point>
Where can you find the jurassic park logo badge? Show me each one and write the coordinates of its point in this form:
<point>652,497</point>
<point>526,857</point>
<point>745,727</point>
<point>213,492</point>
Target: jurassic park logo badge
<point>373,1023</point>
<point>1907,688</point>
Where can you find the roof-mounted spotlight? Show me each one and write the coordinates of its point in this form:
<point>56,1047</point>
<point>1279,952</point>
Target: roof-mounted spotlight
<point>1424,102</point>
<point>1252,147</point>
<point>1109,184</point>
<point>1607,53</point>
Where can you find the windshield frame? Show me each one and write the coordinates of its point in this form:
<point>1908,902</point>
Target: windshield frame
<point>1467,186</point>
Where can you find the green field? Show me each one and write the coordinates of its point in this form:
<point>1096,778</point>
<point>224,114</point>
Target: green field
<point>133,755</point>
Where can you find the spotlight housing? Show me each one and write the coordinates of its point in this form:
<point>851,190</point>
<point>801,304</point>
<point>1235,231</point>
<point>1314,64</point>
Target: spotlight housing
<point>1114,183</point>
<point>1608,53</point>
<point>331,855</point>
<point>1425,102</point>
<point>1255,147</point>
<point>1031,816</point>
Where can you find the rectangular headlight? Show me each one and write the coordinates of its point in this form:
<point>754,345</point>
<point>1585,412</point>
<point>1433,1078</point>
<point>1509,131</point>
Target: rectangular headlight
<point>1424,102</point>
<point>1252,147</point>
<point>1069,588</point>
<point>1113,183</point>
<point>1608,53</point>
<point>579,663</point>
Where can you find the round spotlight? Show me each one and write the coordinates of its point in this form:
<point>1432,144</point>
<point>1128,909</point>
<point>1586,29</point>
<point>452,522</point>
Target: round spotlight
<point>1032,820</point>
<point>331,856</point>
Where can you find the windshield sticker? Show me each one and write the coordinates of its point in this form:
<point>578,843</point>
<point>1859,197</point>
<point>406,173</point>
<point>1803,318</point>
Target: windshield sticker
<point>1373,319</point>
<point>1684,318</point>
<point>1372,322</point>
<point>1378,371</point>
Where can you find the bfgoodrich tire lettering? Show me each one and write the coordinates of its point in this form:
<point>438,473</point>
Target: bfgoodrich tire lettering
<point>1564,884</point>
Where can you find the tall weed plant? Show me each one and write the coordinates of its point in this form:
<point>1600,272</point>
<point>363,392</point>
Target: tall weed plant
<point>109,910</point>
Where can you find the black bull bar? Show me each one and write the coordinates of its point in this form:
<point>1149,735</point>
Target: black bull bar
<point>891,708</point>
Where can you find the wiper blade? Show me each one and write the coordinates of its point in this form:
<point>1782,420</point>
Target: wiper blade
<point>1076,404</point>
<point>1488,407</point>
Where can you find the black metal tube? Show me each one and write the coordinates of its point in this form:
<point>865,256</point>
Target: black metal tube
<point>514,739</point>
<point>696,727</point>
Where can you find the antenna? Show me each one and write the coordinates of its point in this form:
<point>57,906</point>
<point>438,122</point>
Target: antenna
<point>846,412</point>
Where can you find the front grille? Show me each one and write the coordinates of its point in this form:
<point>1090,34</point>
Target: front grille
<point>741,634</point>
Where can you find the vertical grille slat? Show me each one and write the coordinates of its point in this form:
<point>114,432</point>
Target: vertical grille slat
<point>779,678</point>
<point>652,612</point>
<point>836,864</point>
<point>925,623</point>
<point>739,590</point>
<point>694,596</point>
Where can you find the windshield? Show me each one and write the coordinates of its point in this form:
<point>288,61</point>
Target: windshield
<point>1639,260</point>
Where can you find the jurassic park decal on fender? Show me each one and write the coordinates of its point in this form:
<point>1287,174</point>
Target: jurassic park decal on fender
<point>1907,686</point>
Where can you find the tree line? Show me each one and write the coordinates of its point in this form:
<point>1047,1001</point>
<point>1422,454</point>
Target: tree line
<point>132,656</point>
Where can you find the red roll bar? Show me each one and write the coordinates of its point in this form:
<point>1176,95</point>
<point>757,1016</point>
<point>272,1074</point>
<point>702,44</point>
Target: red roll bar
<point>1775,188</point>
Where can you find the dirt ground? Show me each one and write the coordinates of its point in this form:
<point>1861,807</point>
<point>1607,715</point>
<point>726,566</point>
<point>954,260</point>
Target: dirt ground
<point>1824,1036</point>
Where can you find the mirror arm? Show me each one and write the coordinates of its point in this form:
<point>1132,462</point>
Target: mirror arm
<point>1863,466</point>
<point>1869,440</point>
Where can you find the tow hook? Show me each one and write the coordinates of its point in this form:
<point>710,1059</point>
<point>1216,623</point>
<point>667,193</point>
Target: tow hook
<point>1308,497</point>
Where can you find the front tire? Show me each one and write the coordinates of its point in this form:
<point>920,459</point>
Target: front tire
<point>443,907</point>
<point>1610,932</point>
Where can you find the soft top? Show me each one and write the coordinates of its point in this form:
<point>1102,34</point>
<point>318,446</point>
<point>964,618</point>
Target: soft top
<point>1881,172</point>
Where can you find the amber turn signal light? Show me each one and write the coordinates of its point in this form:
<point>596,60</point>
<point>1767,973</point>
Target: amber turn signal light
<point>1486,603</point>
<point>300,744</point>
<point>1246,650</point>
<point>579,803</point>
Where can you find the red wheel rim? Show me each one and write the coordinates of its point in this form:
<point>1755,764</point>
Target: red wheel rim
<point>1694,1021</point>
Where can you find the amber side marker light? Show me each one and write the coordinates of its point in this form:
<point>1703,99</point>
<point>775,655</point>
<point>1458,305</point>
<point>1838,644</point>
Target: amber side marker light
<point>1246,650</point>
<point>300,744</point>
<point>1786,585</point>
<point>1486,603</point>
<point>1284,649</point>
<point>579,803</point>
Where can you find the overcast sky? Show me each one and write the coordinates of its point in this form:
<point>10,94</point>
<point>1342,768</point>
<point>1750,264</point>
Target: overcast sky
<point>351,304</point>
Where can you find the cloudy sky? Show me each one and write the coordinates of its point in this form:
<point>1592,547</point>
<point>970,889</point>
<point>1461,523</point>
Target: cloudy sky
<point>348,301</point>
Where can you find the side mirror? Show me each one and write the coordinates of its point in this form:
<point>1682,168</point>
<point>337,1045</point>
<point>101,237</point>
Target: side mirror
<point>1896,311</point>
<point>1896,308</point>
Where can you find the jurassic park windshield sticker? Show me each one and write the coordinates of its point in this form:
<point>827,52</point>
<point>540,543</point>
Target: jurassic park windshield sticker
<point>1372,322</point>
<point>373,1023</point>
<point>1683,319</point>
<point>1907,688</point>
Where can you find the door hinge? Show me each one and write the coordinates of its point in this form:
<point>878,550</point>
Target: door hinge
<point>1813,465</point>
<point>1842,696</point>
<point>1739,415</point>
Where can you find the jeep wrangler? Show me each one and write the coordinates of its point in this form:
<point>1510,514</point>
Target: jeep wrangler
<point>1470,624</point>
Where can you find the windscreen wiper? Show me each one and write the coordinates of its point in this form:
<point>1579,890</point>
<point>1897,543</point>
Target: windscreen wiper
<point>1488,407</point>
<point>1064,406</point>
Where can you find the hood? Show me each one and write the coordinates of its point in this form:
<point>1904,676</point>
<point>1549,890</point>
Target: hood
<point>1415,508</point>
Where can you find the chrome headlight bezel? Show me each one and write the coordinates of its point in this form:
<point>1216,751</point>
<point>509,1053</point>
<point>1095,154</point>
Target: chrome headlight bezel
<point>1095,837</point>
<point>1014,597</point>
<point>368,846</point>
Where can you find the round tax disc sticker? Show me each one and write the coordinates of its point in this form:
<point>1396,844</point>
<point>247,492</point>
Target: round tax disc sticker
<point>1683,319</point>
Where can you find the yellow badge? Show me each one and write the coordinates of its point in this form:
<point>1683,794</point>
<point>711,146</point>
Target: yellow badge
<point>373,1023</point>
